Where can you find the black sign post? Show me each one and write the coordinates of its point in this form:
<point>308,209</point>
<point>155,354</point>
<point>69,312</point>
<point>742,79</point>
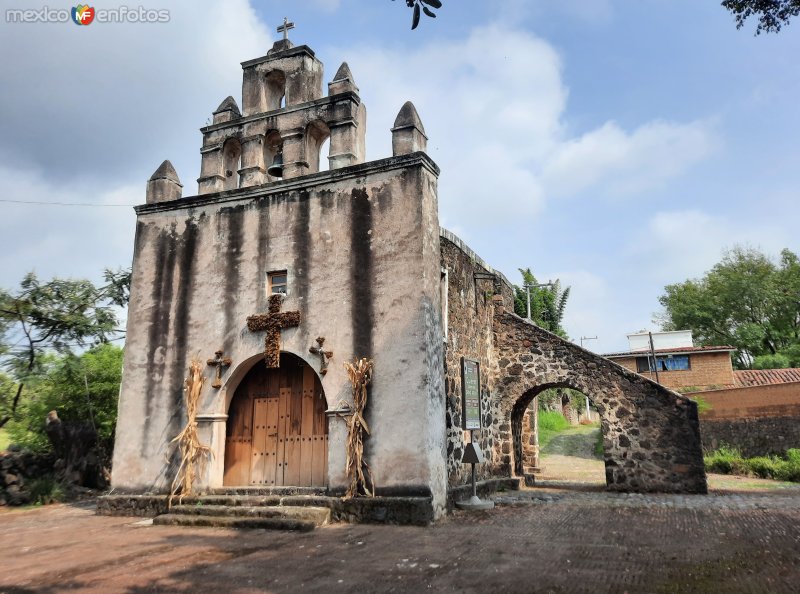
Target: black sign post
<point>471,413</point>
<point>471,393</point>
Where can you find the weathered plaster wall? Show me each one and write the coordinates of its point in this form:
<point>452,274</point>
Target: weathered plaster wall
<point>360,245</point>
<point>471,286</point>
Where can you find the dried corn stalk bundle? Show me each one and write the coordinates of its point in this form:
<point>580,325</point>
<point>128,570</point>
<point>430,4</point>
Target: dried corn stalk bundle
<point>193,453</point>
<point>358,470</point>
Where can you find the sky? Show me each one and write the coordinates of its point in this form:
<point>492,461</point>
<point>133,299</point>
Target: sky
<point>616,145</point>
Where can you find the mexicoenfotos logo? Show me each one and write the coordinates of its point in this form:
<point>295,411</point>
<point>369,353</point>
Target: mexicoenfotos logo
<point>83,14</point>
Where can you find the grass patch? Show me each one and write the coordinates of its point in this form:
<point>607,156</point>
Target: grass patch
<point>551,423</point>
<point>727,460</point>
<point>5,440</point>
<point>599,451</point>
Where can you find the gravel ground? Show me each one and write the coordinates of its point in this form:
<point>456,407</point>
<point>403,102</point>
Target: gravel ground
<point>568,536</point>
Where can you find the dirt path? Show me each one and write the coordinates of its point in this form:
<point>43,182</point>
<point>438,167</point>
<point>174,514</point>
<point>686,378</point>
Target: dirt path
<point>573,542</point>
<point>570,457</point>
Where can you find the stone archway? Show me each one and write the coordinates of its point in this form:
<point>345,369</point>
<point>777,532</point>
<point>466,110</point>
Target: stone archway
<point>651,434</point>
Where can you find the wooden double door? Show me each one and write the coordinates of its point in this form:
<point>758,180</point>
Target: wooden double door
<point>277,432</point>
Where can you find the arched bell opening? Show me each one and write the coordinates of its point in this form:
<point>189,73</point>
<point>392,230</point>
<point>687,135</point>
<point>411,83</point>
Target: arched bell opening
<point>273,155</point>
<point>231,162</point>
<point>275,90</point>
<point>317,133</point>
<point>277,431</point>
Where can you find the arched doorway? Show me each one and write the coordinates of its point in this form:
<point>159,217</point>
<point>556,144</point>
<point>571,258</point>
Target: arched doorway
<point>558,436</point>
<point>277,432</point>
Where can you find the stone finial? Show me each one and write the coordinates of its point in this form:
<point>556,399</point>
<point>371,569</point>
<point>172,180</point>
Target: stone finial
<point>343,81</point>
<point>228,110</point>
<point>408,133</point>
<point>164,185</point>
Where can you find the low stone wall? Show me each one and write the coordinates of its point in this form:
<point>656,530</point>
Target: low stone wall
<point>760,436</point>
<point>18,470</point>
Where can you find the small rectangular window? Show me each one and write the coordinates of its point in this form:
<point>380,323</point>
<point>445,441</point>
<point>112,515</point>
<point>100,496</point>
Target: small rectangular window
<point>277,282</point>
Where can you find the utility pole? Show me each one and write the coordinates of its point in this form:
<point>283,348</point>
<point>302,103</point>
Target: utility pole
<point>528,292</point>
<point>653,353</point>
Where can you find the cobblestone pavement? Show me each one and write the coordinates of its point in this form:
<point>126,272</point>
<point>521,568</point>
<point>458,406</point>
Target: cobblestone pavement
<point>536,540</point>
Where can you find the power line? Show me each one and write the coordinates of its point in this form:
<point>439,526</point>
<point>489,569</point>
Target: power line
<point>40,203</point>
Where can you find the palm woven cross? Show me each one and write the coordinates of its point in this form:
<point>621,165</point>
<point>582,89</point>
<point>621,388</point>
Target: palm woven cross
<point>272,323</point>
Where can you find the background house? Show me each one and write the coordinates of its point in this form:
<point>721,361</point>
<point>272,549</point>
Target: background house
<point>680,365</point>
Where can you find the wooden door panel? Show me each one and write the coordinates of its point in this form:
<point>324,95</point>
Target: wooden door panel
<point>277,429</point>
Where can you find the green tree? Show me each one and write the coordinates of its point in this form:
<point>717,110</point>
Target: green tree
<point>54,316</point>
<point>745,301</point>
<point>547,303</point>
<point>79,387</point>
<point>771,14</point>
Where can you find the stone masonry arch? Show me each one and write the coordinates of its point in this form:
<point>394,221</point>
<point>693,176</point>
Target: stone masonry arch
<point>651,434</point>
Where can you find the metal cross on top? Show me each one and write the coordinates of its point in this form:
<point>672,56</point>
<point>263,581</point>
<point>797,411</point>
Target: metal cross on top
<point>284,28</point>
<point>273,322</point>
<point>219,362</point>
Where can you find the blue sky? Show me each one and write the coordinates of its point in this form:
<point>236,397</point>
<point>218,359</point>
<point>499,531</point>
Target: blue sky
<point>618,145</point>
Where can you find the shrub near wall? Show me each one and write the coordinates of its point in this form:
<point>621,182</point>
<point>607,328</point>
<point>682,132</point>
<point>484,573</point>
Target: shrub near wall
<point>727,460</point>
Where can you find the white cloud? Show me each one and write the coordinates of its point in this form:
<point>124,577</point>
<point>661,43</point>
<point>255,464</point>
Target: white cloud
<point>88,113</point>
<point>103,100</point>
<point>676,245</point>
<point>612,160</point>
<point>494,115</point>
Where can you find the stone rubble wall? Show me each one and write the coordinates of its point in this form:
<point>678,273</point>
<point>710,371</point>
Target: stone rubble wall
<point>18,470</point>
<point>651,434</point>
<point>470,312</point>
<point>759,436</point>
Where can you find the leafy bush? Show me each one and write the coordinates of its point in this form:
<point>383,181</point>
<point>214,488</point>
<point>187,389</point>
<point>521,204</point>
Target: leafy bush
<point>727,460</point>
<point>723,460</point>
<point>79,388</point>
<point>46,490</point>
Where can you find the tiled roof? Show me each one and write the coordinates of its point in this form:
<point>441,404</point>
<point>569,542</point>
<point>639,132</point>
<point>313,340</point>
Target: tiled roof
<point>702,349</point>
<point>765,377</point>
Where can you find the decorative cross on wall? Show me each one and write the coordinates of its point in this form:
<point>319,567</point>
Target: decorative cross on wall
<point>323,355</point>
<point>284,28</point>
<point>272,323</point>
<point>219,363</point>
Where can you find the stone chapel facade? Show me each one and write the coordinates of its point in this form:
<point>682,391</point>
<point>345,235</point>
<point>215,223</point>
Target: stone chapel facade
<point>277,281</point>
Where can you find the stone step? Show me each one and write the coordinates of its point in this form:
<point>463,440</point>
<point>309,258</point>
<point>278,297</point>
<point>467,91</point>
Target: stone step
<point>234,522</point>
<point>266,491</point>
<point>319,516</point>
<point>261,500</point>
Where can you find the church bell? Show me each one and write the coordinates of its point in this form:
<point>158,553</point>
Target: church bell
<point>276,169</point>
